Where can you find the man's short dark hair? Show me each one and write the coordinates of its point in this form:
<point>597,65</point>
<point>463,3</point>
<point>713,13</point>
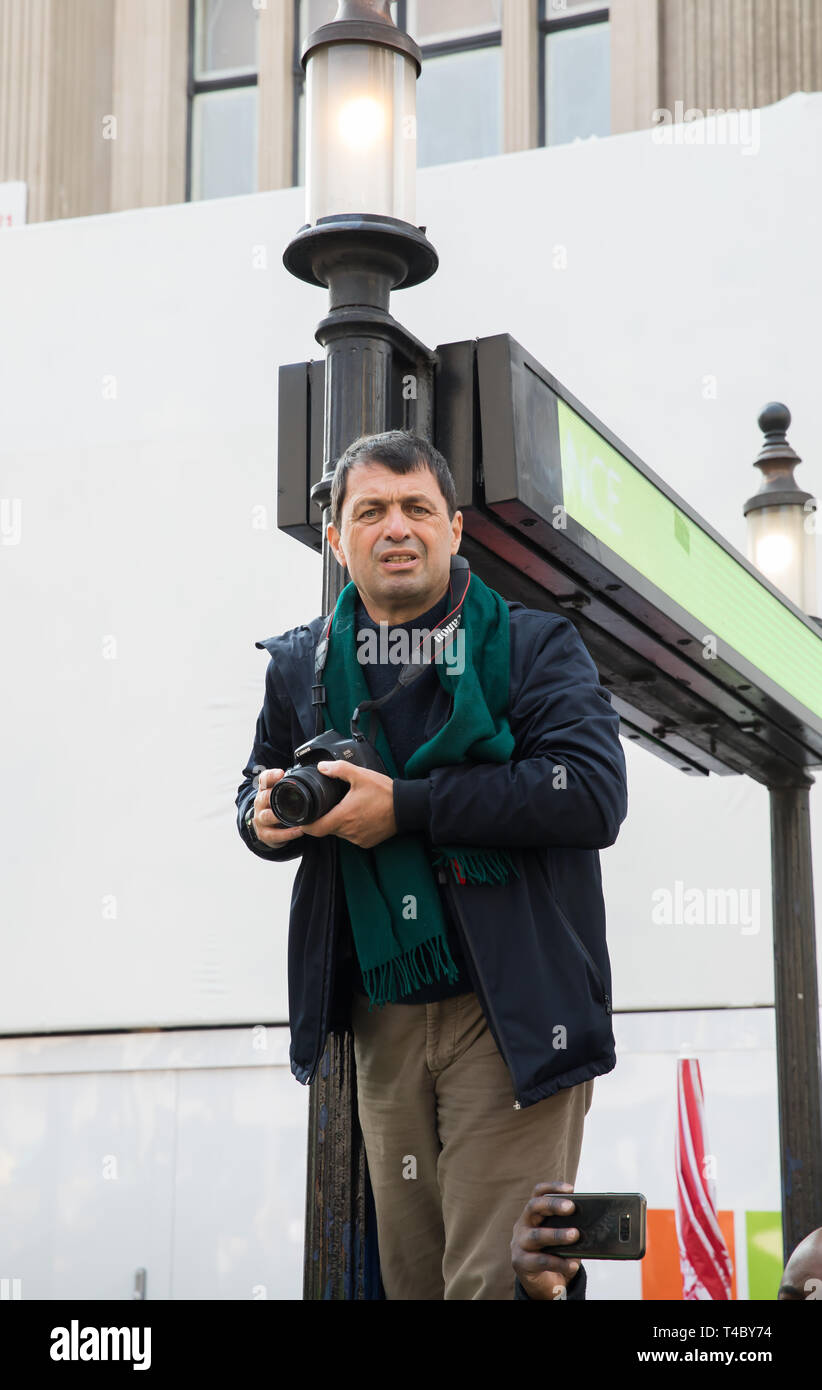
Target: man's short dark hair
<point>402,452</point>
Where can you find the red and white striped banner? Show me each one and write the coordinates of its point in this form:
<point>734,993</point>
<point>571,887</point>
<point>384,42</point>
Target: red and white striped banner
<point>703,1254</point>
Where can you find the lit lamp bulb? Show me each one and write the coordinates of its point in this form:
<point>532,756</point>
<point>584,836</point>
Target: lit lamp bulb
<point>361,123</point>
<point>775,555</point>
<point>781,543</point>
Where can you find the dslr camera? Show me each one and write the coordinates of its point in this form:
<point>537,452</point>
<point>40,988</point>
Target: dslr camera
<point>303,794</point>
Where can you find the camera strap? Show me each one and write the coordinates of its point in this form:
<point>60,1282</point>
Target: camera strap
<point>439,640</point>
<point>318,691</point>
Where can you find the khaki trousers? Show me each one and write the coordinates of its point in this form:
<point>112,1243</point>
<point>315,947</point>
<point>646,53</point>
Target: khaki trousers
<point>452,1163</point>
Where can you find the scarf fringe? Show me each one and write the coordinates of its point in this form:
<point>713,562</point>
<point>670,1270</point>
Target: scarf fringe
<point>478,865</point>
<point>402,975</point>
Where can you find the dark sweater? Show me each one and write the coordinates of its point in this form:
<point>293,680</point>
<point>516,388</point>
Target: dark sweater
<point>403,719</point>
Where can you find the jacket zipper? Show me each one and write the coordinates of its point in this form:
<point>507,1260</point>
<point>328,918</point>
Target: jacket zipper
<point>583,948</point>
<point>484,1001</point>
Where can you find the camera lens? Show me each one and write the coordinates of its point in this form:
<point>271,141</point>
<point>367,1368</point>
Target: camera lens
<point>291,802</point>
<point>305,795</point>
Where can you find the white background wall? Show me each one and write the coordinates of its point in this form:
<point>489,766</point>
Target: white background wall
<point>138,372</point>
<point>181,1154</point>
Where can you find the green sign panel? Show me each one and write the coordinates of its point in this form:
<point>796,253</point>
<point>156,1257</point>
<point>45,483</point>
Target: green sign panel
<point>615,502</point>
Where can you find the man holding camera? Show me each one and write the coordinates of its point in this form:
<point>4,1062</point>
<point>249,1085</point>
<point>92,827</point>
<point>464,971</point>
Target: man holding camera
<point>448,904</point>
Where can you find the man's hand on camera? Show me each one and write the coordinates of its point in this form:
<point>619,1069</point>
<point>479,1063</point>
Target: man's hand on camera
<point>365,816</point>
<point>544,1276</point>
<point>269,830</point>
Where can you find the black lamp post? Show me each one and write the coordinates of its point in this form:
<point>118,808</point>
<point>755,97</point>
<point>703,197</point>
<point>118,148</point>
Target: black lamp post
<point>360,241</point>
<point>781,544</point>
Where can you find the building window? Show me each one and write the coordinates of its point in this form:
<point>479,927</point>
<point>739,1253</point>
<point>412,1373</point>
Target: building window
<point>222,98</point>
<point>574,71</point>
<point>459,93</point>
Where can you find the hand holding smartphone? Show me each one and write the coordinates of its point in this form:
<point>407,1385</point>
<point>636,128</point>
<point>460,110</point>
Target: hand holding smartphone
<point>611,1226</point>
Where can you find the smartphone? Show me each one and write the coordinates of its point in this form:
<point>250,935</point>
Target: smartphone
<point>611,1226</point>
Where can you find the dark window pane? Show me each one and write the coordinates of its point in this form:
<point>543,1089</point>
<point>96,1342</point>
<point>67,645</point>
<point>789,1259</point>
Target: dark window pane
<point>431,21</point>
<point>577,83</point>
<point>459,107</point>
<point>226,37</point>
<point>224,143</point>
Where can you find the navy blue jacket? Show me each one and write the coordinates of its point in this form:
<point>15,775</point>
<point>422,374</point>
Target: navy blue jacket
<point>536,944</point>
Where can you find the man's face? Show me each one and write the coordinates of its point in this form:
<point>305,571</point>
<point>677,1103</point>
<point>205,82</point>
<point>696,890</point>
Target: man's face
<point>396,540</point>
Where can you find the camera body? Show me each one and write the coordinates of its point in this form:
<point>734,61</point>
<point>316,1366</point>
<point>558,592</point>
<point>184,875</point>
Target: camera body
<point>303,794</point>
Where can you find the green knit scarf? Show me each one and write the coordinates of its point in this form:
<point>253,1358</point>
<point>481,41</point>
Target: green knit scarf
<point>396,913</point>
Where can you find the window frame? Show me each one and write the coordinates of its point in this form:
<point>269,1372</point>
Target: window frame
<point>438,48</point>
<point>572,20</point>
<point>197,86</point>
